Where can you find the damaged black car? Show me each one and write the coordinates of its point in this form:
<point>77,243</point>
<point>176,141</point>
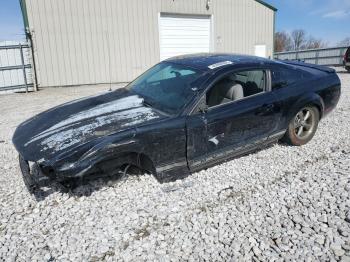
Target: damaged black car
<point>184,114</point>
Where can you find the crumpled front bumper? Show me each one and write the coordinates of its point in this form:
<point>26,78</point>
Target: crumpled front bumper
<point>32,175</point>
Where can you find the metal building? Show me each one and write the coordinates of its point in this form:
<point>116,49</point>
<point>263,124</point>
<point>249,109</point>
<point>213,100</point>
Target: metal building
<point>80,42</point>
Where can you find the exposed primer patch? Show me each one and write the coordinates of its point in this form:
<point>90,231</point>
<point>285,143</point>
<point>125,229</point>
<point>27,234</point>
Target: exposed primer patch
<point>41,160</point>
<point>214,140</point>
<point>66,166</point>
<point>116,105</point>
<point>81,173</point>
<point>69,137</point>
<point>213,66</point>
<point>120,144</point>
<point>113,106</point>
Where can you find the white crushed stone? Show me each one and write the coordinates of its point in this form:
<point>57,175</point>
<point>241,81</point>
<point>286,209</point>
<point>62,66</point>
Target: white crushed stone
<point>283,202</point>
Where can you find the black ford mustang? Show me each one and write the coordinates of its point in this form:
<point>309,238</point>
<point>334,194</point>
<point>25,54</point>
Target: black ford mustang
<point>182,115</point>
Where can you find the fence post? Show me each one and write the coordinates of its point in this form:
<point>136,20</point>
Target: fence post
<point>23,67</point>
<point>317,55</point>
<point>341,55</point>
<point>30,35</point>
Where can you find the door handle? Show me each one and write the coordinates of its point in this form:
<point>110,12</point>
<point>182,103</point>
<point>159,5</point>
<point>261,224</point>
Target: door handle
<point>266,108</point>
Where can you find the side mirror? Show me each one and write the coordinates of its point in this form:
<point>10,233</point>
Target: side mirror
<point>202,106</point>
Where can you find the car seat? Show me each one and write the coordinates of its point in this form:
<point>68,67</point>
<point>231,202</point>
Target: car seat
<point>255,83</point>
<point>225,91</point>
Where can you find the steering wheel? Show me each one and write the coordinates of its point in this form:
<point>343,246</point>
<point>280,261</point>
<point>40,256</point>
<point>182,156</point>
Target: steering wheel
<point>177,74</point>
<point>166,88</point>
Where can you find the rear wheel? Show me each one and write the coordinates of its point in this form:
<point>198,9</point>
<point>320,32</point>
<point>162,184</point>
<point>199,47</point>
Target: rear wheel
<point>303,126</point>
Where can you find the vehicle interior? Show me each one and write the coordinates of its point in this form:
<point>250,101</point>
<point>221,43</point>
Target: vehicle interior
<point>236,86</point>
<point>171,86</point>
<point>166,86</point>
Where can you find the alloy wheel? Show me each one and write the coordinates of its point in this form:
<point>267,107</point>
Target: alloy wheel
<point>304,123</point>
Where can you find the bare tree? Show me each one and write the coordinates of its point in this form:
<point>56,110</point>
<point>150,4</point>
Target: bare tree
<point>283,42</point>
<point>313,43</point>
<point>298,39</point>
<point>344,42</point>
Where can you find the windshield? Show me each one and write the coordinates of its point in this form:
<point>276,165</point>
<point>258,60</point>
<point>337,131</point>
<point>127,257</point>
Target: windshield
<point>167,86</point>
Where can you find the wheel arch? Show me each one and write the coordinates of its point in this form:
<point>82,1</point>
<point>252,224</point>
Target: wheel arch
<point>114,154</point>
<point>309,99</point>
<point>123,159</point>
<point>142,161</point>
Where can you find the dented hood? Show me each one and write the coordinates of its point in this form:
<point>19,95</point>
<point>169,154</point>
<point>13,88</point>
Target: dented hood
<point>75,123</point>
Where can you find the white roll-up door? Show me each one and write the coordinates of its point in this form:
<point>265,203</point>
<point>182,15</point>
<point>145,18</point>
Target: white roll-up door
<point>181,35</point>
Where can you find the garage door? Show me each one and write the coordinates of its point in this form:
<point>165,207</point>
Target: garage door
<point>181,35</point>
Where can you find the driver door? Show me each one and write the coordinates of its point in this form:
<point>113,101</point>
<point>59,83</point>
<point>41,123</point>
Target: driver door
<point>235,122</point>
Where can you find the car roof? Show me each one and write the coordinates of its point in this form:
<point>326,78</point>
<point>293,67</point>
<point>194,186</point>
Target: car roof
<point>215,61</point>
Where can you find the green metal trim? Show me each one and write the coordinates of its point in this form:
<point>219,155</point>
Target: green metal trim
<point>24,14</point>
<point>267,5</point>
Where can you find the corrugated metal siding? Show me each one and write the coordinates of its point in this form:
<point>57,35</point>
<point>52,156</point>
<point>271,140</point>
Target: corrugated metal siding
<point>97,41</point>
<point>323,56</point>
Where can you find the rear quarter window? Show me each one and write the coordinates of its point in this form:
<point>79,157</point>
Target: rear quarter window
<point>281,77</point>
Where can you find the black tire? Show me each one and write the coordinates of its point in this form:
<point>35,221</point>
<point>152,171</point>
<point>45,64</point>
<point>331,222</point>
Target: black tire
<point>303,126</point>
<point>347,68</point>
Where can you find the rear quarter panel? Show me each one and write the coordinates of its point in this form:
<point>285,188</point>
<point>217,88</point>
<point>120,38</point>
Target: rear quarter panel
<point>329,91</point>
<point>320,89</point>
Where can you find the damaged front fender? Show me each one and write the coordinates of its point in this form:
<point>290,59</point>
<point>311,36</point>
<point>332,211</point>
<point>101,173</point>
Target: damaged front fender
<point>105,157</point>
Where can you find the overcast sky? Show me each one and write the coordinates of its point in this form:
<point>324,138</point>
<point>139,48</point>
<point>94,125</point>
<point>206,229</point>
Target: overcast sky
<point>326,19</point>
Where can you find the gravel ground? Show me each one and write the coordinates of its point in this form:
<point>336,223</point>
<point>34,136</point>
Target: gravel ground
<point>283,202</point>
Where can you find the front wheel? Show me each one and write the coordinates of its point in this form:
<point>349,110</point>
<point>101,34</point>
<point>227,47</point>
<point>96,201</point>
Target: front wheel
<point>303,126</point>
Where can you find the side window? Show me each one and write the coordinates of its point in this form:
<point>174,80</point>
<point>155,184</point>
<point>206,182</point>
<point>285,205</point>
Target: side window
<point>236,86</point>
<point>284,77</point>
